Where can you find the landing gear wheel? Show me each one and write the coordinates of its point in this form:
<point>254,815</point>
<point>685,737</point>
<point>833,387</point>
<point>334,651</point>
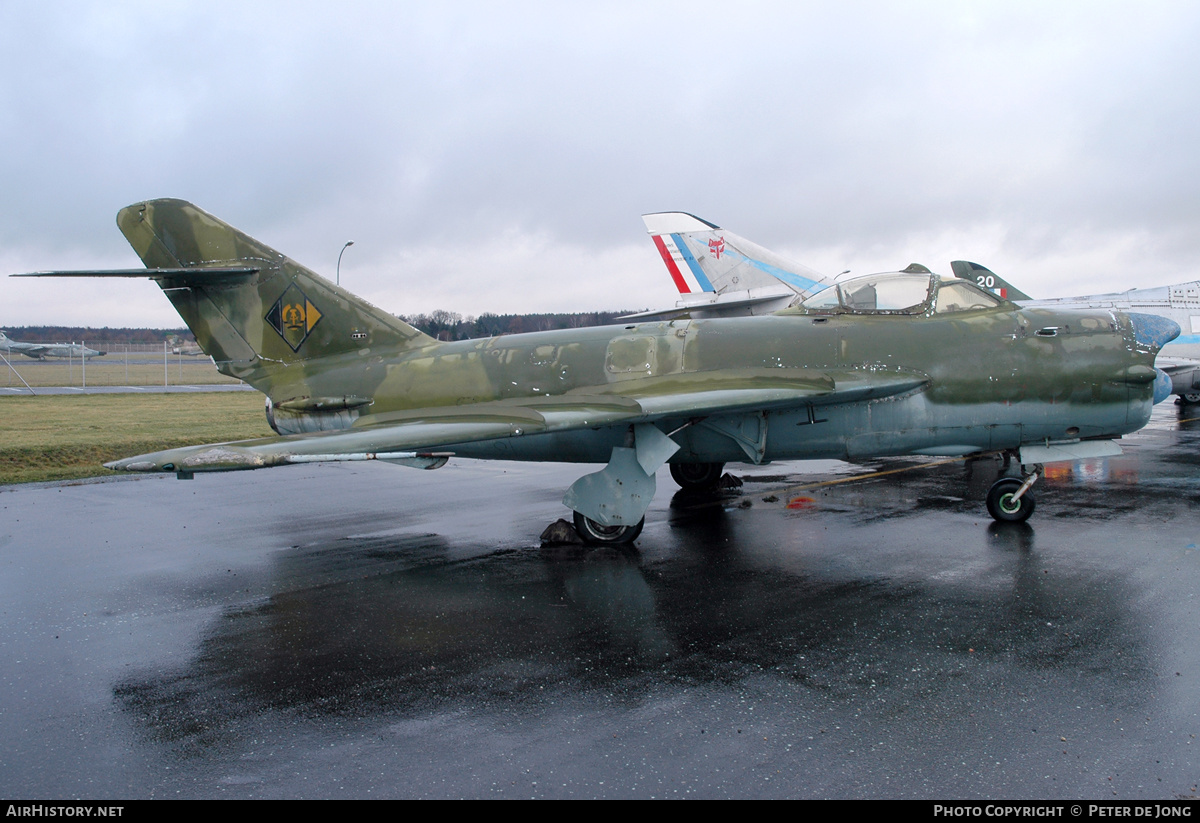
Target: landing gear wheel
<point>697,475</point>
<point>1002,507</point>
<point>593,532</point>
<point>1191,397</point>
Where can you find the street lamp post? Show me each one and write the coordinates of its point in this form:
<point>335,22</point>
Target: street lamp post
<point>349,243</point>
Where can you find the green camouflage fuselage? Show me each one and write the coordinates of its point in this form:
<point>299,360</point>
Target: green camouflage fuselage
<point>978,382</point>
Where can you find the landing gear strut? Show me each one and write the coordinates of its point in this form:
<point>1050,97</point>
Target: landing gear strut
<point>692,476</point>
<point>610,505</point>
<point>1009,500</point>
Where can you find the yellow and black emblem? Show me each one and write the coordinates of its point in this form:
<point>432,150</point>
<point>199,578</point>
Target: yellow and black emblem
<point>293,316</point>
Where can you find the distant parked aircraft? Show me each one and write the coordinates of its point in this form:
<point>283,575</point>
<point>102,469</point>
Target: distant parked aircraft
<point>40,351</point>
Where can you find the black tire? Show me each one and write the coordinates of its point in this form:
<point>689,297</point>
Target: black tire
<point>697,475</point>
<point>592,532</point>
<point>1000,505</point>
<point>1191,397</point>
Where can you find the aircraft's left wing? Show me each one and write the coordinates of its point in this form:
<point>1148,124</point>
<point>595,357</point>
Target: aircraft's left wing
<point>419,437</point>
<point>408,437</point>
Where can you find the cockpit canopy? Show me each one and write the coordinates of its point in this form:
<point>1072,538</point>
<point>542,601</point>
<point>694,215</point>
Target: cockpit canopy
<point>900,293</point>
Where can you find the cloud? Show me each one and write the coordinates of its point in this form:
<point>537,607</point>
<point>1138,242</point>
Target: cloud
<point>464,140</point>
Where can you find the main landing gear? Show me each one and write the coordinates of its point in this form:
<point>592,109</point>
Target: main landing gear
<point>592,532</point>
<point>622,476</point>
<point>610,505</point>
<point>1009,500</point>
<point>695,476</point>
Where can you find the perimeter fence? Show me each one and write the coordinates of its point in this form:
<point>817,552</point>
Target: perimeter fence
<point>121,365</point>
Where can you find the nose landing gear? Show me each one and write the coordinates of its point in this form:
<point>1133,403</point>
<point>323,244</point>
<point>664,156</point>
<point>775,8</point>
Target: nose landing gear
<point>1009,500</point>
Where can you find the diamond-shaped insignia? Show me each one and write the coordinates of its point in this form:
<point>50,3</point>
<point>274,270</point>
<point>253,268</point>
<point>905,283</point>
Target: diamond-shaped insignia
<point>293,316</point>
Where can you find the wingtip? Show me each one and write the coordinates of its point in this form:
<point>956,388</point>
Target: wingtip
<point>131,465</point>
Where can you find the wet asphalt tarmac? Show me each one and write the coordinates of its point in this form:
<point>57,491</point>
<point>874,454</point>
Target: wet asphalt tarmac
<point>370,631</point>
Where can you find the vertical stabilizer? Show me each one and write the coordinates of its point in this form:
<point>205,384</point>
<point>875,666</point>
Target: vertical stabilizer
<point>254,310</point>
<point>987,279</point>
<point>703,257</point>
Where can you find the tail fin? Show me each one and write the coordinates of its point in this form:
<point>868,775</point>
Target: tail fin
<point>255,311</point>
<point>702,257</point>
<point>987,279</point>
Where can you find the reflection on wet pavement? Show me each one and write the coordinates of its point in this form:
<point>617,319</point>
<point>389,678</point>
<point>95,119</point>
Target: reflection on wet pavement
<point>347,631</point>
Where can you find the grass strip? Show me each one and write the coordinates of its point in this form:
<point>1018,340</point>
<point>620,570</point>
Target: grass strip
<point>111,372</point>
<point>65,437</point>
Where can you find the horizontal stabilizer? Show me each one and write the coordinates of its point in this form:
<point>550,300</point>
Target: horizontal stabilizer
<point>199,273</point>
<point>707,308</point>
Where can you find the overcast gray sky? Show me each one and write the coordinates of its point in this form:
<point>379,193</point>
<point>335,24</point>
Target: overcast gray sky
<point>496,157</point>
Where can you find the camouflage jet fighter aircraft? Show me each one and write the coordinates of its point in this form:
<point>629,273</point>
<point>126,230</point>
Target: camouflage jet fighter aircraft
<point>40,351</point>
<point>890,364</point>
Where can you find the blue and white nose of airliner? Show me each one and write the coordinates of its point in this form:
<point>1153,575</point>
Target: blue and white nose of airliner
<point>1152,330</point>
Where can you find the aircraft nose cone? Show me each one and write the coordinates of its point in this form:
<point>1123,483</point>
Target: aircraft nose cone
<point>1152,330</point>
